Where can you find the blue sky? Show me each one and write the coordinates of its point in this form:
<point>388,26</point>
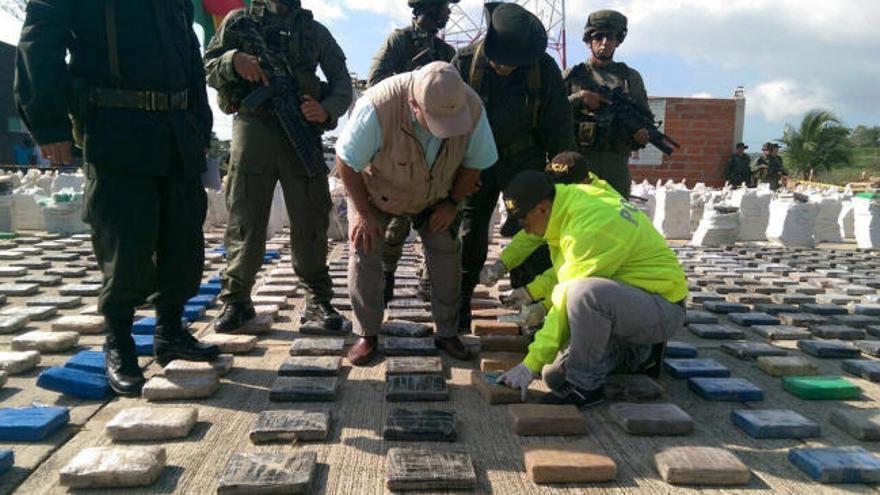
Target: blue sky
<point>790,55</point>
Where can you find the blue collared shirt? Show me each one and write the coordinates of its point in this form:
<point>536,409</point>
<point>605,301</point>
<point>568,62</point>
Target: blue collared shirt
<point>361,139</point>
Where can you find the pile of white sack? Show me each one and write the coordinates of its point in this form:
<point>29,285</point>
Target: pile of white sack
<point>709,217</point>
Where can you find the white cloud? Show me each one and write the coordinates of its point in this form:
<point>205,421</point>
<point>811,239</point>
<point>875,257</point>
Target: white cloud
<point>396,9</point>
<point>701,95</point>
<point>779,100</point>
<point>325,12</point>
<point>801,52</point>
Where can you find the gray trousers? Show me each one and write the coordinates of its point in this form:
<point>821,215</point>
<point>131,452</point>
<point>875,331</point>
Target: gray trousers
<point>395,237</point>
<point>367,280</point>
<point>612,327</point>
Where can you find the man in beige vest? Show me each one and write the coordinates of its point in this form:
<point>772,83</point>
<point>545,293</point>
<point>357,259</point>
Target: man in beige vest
<point>414,146</point>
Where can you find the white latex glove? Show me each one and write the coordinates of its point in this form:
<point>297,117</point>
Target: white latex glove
<point>518,298</point>
<point>491,274</point>
<point>531,315</point>
<point>518,377</point>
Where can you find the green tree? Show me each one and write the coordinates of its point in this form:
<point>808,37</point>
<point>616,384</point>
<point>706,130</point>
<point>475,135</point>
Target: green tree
<point>820,142</point>
<point>865,136</point>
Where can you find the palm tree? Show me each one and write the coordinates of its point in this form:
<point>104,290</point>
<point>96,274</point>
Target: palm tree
<point>821,142</point>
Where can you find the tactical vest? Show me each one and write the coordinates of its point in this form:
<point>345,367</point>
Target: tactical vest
<point>398,178</point>
<point>295,35</point>
<point>425,48</point>
<point>598,130</point>
<point>476,77</point>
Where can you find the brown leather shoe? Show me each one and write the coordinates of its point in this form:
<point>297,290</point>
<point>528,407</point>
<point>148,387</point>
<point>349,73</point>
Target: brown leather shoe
<point>363,350</point>
<point>453,347</point>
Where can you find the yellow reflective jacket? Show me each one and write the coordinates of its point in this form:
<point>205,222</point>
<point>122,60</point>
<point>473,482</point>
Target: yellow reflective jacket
<point>594,232</point>
<point>524,244</point>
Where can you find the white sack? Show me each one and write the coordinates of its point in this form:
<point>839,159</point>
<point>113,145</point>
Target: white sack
<point>792,223</point>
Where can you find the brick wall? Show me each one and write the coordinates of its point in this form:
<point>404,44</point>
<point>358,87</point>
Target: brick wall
<point>705,130</point>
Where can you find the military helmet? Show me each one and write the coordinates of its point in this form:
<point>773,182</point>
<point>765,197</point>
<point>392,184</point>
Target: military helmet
<point>603,21</point>
<point>417,3</point>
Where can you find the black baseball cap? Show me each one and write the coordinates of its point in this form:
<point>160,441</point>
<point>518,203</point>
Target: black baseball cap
<point>522,194</point>
<point>742,145</point>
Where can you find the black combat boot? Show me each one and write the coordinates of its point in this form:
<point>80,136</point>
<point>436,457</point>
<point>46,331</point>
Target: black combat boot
<point>123,372</point>
<point>234,316</point>
<point>173,341</point>
<point>389,287</point>
<point>318,317</point>
<point>652,366</point>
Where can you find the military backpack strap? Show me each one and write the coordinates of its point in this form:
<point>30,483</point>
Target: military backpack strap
<point>306,39</point>
<point>112,41</point>
<point>477,72</point>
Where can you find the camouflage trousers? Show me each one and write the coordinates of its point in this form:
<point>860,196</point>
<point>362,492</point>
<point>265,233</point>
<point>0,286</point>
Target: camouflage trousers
<point>249,201</point>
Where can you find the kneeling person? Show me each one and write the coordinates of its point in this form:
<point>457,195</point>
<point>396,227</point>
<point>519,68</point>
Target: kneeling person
<point>619,291</point>
<point>528,258</point>
<point>414,146</point>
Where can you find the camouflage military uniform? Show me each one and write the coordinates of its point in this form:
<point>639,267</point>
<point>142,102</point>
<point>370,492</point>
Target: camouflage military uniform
<point>405,50</point>
<point>771,170</point>
<point>606,145</point>
<point>739,170</point>
<point>261,155</point>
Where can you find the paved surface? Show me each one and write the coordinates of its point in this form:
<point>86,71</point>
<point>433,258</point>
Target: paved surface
<point>353,458</point>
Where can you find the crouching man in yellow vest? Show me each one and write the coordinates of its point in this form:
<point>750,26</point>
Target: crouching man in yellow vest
<point>618,295</point>
<point>414,146</point>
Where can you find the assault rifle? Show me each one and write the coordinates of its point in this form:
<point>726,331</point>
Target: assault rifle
<point>633,117</point>
<point>285,97</point>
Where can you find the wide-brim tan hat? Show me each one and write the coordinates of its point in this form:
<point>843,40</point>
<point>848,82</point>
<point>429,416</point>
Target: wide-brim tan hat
<point>441,94</point>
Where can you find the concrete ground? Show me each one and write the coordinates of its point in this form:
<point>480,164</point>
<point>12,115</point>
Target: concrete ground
<point>352,459</point>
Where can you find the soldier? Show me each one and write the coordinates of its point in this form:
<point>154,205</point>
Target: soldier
<point>135,89</point>
<point>406,50</point>
<point>769,168</point>
<point>412,47</point>
<point>776,171</point>
<point>261,154</point>
<point>739,170</point>
<point>604,143</point>
<point>522,89</point>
